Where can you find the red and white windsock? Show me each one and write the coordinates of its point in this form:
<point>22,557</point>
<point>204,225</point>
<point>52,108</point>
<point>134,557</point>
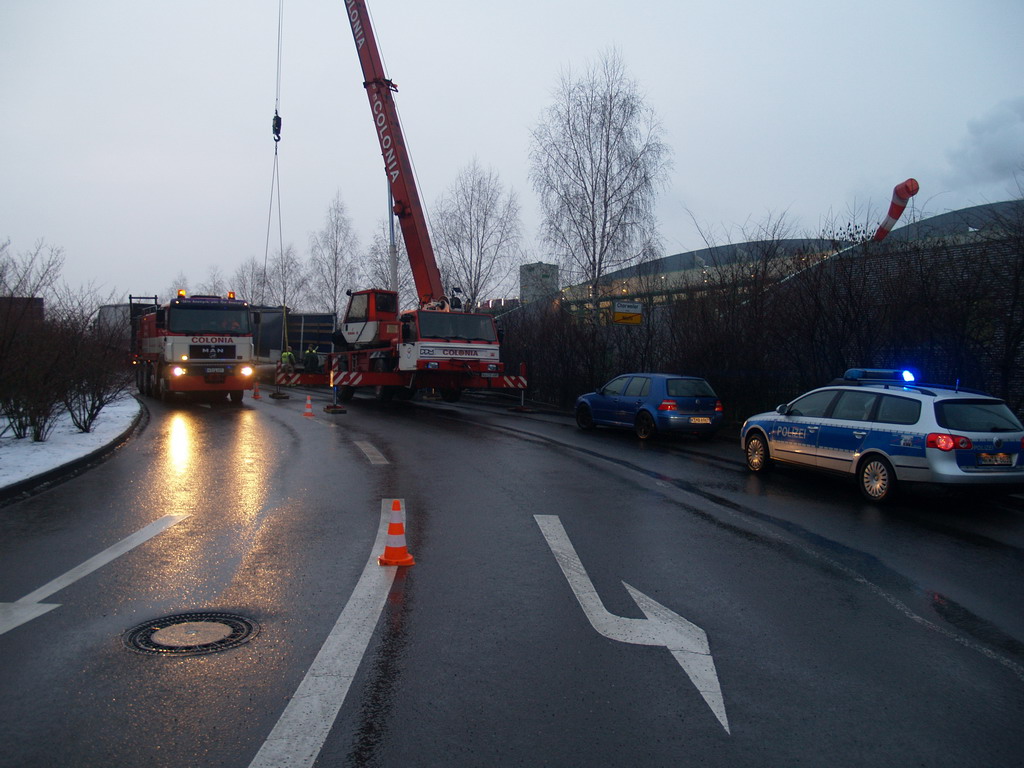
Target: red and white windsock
<point>900,197</point>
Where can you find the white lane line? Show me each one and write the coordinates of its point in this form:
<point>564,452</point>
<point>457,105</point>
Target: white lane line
<point>687,642</point>
<point>374,456</point>
<point>300,734</point>
<point>30,606</point>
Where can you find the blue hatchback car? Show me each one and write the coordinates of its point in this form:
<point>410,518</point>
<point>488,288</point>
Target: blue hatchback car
<point>650,403</point>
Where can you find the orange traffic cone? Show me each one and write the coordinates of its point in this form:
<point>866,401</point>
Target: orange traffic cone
<point>395,552</point>
<point>256,391</point>
<point>309,407</point>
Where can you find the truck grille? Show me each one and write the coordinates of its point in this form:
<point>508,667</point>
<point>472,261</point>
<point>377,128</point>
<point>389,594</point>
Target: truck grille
<point>211,351</point>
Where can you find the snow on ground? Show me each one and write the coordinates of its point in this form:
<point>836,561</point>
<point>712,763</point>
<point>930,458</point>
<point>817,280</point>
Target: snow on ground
<point>22,459</point>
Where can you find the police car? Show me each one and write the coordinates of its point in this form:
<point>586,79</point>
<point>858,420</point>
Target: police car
<point>885,429</point>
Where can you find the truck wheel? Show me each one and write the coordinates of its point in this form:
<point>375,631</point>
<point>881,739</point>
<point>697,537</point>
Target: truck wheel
<point>140,379</point>
<point>235,395</point>
<point>345,393</point>
<point>160,386</point>
<point>451,395</point>
<point>383,394</point>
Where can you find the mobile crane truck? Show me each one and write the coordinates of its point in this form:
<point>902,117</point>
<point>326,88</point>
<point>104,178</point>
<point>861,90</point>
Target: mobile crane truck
<point>436,346</point>
<point>195,344</point>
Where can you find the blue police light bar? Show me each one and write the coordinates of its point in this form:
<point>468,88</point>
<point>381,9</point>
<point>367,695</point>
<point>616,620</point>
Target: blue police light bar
<point>876,374</point>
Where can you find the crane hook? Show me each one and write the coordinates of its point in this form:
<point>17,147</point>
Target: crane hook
<point>277,127</point>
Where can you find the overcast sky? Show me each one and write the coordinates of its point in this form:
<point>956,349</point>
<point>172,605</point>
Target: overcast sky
<point>136,133</point>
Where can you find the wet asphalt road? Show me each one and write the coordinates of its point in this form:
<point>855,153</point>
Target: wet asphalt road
<point>839,633</point>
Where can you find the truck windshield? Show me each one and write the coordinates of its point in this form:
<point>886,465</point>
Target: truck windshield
<point>230,321</point>
<point>455,325</point>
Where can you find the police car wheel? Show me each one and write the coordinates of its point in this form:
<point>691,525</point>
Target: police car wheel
<point>756,451</point>
<point>877,479</point>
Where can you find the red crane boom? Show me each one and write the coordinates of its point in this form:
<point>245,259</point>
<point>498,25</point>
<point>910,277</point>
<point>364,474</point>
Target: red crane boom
<point>397,165</point>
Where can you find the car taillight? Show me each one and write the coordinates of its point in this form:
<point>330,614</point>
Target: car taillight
<point>718,406</point>
<point>948,442</point>
<point>668,405</point>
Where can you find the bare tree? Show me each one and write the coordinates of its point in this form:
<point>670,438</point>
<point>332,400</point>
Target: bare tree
<point>31,273</point>
<point>331,262</point>
<point>214,285</point>
<point>597,161</point>
<point>249,281</point>
<point>93,355</point>
<point>286,279</point>
<point>180,283</point>
<point>27,398</point>
<point>477,233</point>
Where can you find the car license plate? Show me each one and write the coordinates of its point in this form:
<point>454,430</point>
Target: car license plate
<point>489,375</point>
<point>994,459</point>
<point>215,370</point>
<point>700,419</point>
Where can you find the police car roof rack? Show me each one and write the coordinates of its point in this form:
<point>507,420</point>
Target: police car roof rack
<point>956,388</point>
<point>898,380</point>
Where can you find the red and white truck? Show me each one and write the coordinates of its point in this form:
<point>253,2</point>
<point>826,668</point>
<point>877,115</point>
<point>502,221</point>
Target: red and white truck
<point>192,344</point>
<point>435,346</point>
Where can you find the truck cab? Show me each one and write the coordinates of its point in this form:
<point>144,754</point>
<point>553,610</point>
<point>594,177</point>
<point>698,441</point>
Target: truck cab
<point>371,319</point>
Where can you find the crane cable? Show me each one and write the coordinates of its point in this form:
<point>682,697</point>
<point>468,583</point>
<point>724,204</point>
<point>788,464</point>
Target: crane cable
<point>275,182</point>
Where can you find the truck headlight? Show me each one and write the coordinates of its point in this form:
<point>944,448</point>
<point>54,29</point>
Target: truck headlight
<point>246,370</point>
<point>178,370</point>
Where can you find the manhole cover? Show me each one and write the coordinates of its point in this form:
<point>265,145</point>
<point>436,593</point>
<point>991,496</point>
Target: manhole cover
<point>191,634</point>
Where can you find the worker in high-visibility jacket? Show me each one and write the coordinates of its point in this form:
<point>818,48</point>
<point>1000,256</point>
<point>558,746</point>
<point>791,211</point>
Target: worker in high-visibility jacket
<point>288,361</point>
<point>311,362</point>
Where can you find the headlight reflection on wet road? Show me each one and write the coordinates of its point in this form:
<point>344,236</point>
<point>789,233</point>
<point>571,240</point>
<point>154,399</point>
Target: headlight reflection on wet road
<point>179,445</point>
<point>248,463</point>
<point>214,467</point>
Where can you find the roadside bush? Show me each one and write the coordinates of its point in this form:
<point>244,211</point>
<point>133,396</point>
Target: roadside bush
<point>53,356</point>
<point>767,329</point>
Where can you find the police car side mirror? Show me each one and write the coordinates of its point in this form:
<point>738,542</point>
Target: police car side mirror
<point>783,410</point>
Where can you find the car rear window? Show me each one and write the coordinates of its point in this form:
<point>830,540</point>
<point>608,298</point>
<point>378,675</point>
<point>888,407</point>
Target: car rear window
<point>688,388</point>
<point>898,410</point>
<point>976,416</point>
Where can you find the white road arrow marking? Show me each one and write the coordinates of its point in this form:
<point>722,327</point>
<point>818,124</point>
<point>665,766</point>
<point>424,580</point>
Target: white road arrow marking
<point>27,608</point>
<point>687,642</point>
